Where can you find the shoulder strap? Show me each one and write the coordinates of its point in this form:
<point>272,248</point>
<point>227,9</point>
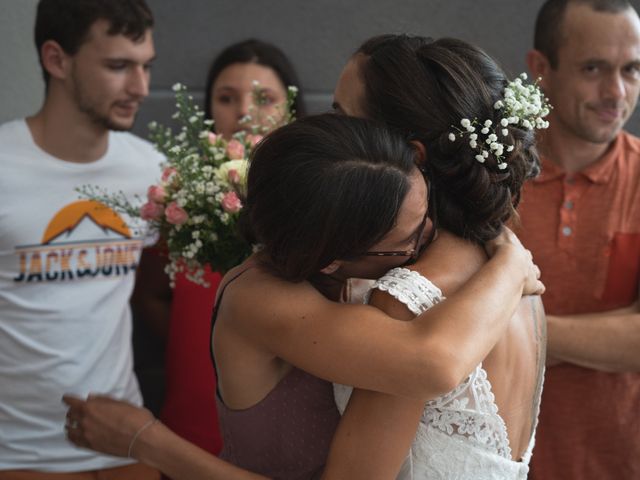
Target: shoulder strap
<point>214,316</point>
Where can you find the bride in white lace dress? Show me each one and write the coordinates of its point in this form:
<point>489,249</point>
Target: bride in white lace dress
<point>483,425</point>
<point>462,434</point>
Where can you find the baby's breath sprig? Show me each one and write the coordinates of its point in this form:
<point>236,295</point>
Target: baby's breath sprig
<point>490,138</point>
<point>523,106</point>
<point>118,201</point>
<point>290,111</point>
<point>261,124</point>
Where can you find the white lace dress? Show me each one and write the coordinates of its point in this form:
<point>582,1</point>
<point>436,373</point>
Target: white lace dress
<point>461,436</point>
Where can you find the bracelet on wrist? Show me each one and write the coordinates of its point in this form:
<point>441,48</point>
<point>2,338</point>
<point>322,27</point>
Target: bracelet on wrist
<point>137,434</point>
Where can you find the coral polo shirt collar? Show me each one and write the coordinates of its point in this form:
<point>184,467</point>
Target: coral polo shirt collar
<point>599,172</point>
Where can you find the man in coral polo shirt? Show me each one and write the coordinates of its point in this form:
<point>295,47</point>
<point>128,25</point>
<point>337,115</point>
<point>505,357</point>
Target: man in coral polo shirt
<point>581,220</point>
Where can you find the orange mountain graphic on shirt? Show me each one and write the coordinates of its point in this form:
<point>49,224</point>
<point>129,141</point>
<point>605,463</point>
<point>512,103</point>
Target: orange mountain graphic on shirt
<point>67,219</point>
<point>85,239</point>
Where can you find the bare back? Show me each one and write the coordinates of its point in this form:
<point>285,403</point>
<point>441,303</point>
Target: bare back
<point>515,366</point>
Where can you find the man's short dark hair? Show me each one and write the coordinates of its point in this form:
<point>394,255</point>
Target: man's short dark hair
<point>548,30</point>
<point>68,21</point>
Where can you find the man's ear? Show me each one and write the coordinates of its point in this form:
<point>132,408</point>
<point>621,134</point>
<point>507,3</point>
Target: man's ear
<point>539,66</point>
<point>421,153</point>
<point>54,59</point>
<point>332,267</point>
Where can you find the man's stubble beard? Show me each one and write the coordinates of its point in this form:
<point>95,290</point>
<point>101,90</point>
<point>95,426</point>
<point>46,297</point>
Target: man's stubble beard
<point>88,107</point>
<point>102,120</point>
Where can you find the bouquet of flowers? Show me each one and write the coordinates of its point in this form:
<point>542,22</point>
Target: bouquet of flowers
<point>196,204</point>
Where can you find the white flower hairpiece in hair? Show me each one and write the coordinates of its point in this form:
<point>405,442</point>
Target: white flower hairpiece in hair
<point>523,106</point>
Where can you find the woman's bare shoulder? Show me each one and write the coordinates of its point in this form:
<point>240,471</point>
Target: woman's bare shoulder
<point>252,289</point>
<point>257,303</point>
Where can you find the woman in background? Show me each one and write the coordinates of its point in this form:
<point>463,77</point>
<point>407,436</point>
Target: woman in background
<point>230,90</point>
<point>231,94</point>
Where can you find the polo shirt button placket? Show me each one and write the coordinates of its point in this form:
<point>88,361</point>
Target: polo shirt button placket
<point>567,215</point>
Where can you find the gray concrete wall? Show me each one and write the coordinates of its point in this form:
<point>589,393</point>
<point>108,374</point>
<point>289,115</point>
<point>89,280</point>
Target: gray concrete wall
<point>318,36</point>
<point>21,85</point>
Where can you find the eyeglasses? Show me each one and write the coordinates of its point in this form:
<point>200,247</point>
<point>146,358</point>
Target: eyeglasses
<point>413,253</point>
<point>407,253</point>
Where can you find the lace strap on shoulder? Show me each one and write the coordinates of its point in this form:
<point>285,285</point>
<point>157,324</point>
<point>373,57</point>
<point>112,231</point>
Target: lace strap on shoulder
<point>410,288</point>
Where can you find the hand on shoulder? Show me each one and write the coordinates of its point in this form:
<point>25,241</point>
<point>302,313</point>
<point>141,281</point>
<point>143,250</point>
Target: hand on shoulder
<point>510,253</point>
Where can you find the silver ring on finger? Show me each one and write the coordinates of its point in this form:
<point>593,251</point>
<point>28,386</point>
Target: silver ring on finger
<point>72,424</point>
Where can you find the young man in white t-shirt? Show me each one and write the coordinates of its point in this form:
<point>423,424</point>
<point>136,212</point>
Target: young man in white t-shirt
<point>67,265</point>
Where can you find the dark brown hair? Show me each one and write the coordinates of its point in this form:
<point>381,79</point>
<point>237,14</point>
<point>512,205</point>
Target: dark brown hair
<point>423,89</point>
<point>324,188</point>
<point>68,21</point>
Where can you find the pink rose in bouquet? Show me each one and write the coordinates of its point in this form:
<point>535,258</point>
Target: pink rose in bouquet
<point>235,149</point>
<point>234,176</point>
<point>167,173</point>
<point>175,214</point>
<point>231,203</point>
<point>212,138</point>
<point>254,139</point>
<point>151,211</point>
<point>156,193</point>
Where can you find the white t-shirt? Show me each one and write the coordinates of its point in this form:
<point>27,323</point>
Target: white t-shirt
<point>67,267</point>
